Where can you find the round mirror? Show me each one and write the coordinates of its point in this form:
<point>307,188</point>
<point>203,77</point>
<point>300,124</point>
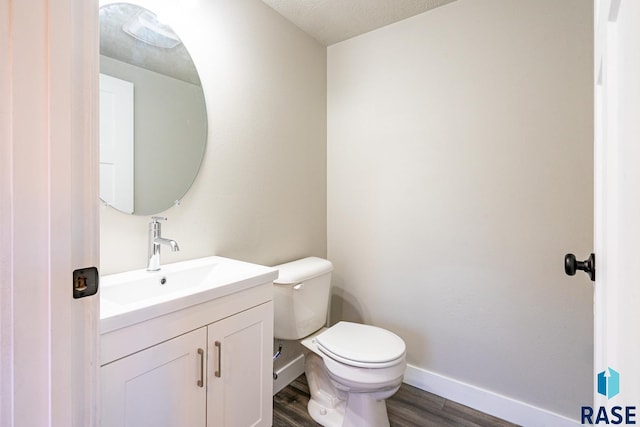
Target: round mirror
<point>153,119</point>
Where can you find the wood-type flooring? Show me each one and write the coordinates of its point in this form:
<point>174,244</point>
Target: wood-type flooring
<point>409,407</point>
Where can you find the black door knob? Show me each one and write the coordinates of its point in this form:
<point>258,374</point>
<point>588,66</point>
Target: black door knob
<point>588,266</point>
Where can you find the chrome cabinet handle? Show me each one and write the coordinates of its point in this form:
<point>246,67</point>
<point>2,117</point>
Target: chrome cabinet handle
<point>218,372</point>
<point>201,380</point>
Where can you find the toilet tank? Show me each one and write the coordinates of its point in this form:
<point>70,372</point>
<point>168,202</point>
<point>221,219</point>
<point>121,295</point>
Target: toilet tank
<point>301,297</point>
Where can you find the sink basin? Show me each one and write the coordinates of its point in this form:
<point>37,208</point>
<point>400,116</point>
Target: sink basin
<point>139,295</point>
<point>135,288</point>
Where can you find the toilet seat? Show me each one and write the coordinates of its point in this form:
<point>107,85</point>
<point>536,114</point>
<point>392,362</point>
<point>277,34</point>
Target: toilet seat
<point>362,346</point>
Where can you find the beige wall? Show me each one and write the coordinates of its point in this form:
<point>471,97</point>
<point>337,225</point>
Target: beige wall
<point>261,193</point>
<point>459,174</point>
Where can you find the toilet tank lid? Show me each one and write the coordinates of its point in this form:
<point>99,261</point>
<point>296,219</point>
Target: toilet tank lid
<point>303,269</point>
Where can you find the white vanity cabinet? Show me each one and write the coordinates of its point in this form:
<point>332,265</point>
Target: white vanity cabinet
<point>157,386</point>
<point>209,364</point>
<point>240,372</point>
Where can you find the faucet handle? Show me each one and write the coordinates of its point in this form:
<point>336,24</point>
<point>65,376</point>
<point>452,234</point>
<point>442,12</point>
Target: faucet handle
<point>158,218</point>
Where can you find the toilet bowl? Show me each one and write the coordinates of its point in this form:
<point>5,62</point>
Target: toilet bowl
<point>351,368</point>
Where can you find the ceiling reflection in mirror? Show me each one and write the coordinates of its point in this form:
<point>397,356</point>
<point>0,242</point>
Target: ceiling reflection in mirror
<point>153,121</point>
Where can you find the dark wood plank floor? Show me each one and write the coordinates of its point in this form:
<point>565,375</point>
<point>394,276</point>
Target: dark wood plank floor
<point>409,407</point>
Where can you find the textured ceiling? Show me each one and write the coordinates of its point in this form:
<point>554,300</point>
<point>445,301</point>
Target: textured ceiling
<point>331,21</point>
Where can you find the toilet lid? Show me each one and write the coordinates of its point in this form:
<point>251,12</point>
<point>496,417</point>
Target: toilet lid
<point>359,345</point>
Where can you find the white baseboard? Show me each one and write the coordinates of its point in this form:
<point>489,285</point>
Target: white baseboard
<point>485,401</point>
<point>288,373</point>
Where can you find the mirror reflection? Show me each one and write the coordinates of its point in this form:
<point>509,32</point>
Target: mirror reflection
<point>153,121</point>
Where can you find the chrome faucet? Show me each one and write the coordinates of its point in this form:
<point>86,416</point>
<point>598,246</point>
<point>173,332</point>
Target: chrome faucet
<point>155,240</point>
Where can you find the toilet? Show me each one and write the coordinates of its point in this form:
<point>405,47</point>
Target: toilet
<point>351,368</point>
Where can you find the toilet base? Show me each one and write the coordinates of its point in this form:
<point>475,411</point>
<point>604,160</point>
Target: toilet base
<point>361,410</point>
<point>326,405</point>
<point>332,407</point>
<point>327,417</point>
<point>364,410</point>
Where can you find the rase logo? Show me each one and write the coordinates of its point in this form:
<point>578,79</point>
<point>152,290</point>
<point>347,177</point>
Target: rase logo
<point>609,386</point>
<point>609,383</point>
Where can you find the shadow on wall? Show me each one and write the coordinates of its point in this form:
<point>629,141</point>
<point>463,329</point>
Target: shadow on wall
<point>344,306</point>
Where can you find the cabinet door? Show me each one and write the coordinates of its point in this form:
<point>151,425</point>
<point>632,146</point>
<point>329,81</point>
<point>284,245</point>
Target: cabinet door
<point>157,386</point>
<point>241,369</point>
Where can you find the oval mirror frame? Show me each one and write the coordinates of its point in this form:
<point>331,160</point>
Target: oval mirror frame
<point>153,118</point>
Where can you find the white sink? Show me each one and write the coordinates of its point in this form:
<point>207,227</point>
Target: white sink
<point>137,286</point>
<point>139,295</point>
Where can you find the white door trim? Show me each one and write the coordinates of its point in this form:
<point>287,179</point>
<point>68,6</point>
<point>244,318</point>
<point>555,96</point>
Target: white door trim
<point>49,211</point>
<point>617,183</point>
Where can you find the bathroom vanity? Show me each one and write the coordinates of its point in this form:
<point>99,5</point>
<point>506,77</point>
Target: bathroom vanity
<point>189,345</point>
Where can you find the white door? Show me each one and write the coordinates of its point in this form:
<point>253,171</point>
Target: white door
<point>116,142</point>
<point>162,386</point>
<point>49,223</point>
<point>240,369</point>
<point>617,202</point>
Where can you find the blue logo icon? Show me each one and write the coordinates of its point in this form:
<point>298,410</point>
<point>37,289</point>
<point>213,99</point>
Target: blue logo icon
<point>609,383</point>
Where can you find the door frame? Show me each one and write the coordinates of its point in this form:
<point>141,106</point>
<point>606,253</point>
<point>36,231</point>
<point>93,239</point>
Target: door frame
<point>616,206</point>
<point>49,218</point>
